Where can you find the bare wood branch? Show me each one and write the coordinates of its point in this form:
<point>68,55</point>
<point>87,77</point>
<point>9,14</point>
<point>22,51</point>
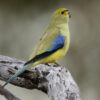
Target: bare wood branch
<point>52,79</point>
<point>8,95</point>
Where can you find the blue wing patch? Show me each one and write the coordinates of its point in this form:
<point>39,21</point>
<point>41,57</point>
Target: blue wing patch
<point>57,44</point>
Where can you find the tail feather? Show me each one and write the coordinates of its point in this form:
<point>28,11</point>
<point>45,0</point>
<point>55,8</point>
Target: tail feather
<point>27,65</point>
<point>16,74</point>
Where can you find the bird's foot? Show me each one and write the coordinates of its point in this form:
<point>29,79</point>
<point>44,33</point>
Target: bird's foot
<point>56,64</point>
<point>47,64</point>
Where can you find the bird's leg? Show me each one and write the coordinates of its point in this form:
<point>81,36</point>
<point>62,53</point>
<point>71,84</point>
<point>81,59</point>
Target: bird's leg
<point>47,64</point>
<point>56,64</point>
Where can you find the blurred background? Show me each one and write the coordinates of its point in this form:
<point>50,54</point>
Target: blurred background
<point>22,23</point>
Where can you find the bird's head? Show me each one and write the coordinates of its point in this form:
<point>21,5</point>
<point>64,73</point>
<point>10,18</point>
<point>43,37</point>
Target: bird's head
<point>61,15</point>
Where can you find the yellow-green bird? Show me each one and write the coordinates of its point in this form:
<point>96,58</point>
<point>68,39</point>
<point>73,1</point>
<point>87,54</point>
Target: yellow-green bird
<point>53,45</point>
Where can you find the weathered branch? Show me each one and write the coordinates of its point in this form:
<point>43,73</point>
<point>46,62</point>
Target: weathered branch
<point>8,95</point>
<point>52,79</point>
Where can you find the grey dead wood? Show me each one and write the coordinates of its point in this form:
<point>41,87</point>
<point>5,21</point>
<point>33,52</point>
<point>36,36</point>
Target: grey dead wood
<point>52,79</point>
<point>7,94</point>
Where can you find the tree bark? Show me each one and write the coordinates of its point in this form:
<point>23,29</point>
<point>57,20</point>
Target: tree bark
<point>52,79</point>
<point>8,95</point>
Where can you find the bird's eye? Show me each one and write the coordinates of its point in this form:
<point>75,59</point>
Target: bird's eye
<point>62,12</point>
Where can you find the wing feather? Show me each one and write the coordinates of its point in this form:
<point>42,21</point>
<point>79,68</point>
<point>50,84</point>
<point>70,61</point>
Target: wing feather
<point>57,44</point>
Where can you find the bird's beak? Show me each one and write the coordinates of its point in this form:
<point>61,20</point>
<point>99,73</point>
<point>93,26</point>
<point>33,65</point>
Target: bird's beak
<point>69,14</point>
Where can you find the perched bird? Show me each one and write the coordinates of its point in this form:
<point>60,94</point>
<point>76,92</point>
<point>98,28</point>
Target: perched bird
<point>53,45</point>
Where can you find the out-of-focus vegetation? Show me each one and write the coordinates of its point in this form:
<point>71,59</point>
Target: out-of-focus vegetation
<point>22,22</point>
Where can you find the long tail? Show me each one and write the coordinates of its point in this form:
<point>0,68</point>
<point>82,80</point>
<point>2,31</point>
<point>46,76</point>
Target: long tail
<point>26,66</point>
<point>16,74</point>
